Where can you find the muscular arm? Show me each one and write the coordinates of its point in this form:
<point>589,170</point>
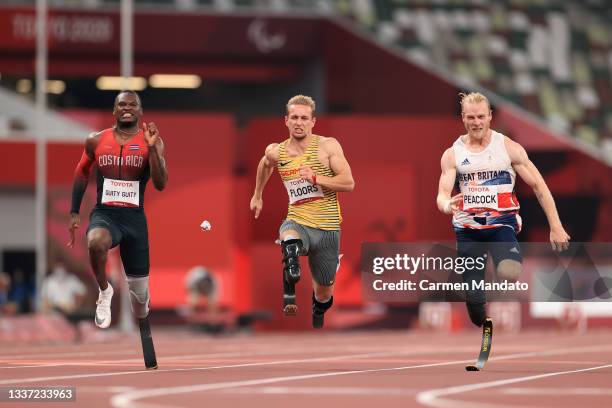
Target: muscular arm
<point>445,203</point>
<point>531,175</point>
<point>343,178</point>
<point>265,168</point>
<point>81,173</point>
<point>157,163</point>
<point>264,171</point>
<point>81,177</point>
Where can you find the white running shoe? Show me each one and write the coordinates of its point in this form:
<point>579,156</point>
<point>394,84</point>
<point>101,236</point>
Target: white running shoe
<point>103,310</point>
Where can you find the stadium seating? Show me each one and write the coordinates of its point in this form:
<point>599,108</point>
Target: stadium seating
<point>553,58</point>
<point>550,57</point>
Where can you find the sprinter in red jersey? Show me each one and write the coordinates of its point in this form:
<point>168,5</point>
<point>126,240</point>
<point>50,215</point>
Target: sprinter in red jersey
<point>125,157</point>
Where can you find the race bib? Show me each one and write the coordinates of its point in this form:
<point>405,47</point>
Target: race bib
<point>301,191</point>
<point>121,193</point>
<point>480,197</point>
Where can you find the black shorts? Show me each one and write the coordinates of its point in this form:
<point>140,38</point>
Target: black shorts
<point>500,243</point>
<point>128,229</point>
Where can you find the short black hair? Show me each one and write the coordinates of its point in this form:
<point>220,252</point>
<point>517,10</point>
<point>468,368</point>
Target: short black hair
<point>129,92</point>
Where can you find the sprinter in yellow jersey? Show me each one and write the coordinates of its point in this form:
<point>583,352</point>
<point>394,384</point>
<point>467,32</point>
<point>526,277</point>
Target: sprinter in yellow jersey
<point>313,169</point>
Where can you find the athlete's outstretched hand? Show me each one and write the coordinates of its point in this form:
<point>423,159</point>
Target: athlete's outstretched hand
<point>559,239</point>
<point>151,133</point>
<point>75,220</point>
<point>256,205</point>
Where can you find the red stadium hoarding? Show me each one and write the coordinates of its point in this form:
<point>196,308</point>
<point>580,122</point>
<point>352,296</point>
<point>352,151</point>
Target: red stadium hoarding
<point>68,31</point>
<point>394,200</point>
<point>202,35</point>
<point>210,45</point>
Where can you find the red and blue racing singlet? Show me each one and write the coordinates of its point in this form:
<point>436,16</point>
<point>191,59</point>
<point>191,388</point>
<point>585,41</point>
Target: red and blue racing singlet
<point>486,180</point>
<point>122,170</point>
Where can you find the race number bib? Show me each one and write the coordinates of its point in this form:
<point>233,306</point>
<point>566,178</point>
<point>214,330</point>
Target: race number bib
<point>301,191</point>
<point>121,193</point>
<point>480,197</point>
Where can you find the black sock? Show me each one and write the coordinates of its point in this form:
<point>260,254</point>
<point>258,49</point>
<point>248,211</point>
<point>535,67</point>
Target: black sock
<point>319,307</point>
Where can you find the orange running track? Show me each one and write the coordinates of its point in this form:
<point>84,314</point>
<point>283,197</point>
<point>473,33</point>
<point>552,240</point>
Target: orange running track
<point>319,369</point>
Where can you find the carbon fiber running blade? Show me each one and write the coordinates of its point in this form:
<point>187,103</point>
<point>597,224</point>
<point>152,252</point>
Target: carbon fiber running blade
<point>289,306</point>
<point>148,350</point>
<point>485,348</point>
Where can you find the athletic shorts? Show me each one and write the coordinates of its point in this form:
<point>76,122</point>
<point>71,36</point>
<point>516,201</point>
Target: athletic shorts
<point>322,248</point>
<point>500,243</point>
<point>128,229</point>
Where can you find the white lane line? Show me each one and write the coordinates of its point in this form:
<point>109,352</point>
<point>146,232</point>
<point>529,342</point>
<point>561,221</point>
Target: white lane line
<point>133,345</point>
<point>34,366</point>
<point>254,353</point>
<point>557,391</point>
<point>135,349</point>
<point>5,359</point>
<point>132,348</point>
<point>433,398</point>
<point>128,400</point>
<point>70,363</point>
<point>242,344</point>
<point>316,391</point>
<point>72,349</point>
<point>152,372</point>
<point>274,351</point>
<point>104,390</point>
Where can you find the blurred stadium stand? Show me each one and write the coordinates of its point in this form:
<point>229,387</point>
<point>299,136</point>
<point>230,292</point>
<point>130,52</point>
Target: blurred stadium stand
<point>18,112</point>
<point>552,58</point>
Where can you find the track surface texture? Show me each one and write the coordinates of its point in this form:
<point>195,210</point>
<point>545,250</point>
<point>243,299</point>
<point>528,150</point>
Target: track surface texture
<point>315,369</point>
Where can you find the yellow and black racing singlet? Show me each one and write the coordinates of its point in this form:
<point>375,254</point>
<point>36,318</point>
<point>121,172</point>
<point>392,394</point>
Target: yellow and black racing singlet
<point>310,205</point>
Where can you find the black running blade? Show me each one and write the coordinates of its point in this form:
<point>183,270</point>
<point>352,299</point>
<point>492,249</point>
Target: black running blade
<point>289,306</point>
<point>318,320</point>
<point>148,350</point>
<point>485,348</point>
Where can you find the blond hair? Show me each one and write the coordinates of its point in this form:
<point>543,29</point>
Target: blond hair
<point>301,100</point>
<point>473,97</point>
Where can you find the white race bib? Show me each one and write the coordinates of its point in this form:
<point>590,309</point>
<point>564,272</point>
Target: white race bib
<point>121,193</point>
<point>480,197</point>
<point>301,191</point>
